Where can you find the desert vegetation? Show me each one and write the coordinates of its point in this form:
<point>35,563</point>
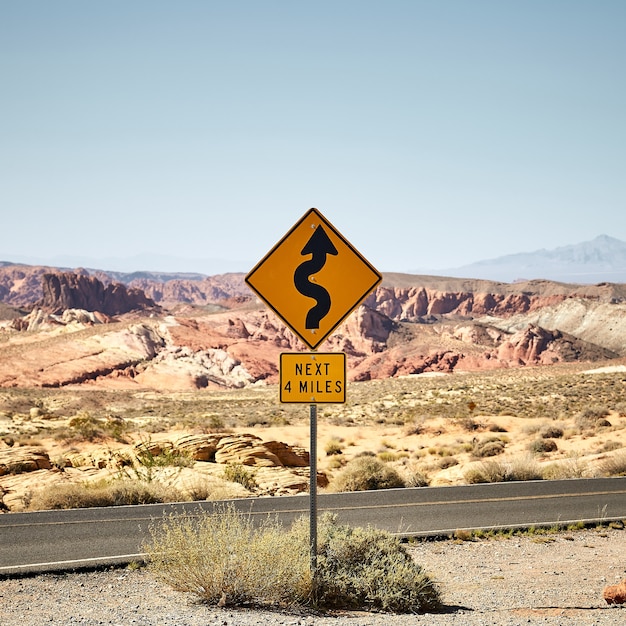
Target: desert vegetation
<point>225,559</point>
<point>528,424</point>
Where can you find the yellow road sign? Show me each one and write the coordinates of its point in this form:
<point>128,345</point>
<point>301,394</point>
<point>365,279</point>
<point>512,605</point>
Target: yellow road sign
<point>313,377</point>
<point>313,278</point>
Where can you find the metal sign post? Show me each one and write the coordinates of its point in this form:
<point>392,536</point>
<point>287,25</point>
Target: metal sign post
<point>313,493</point>
<point>313,278</point>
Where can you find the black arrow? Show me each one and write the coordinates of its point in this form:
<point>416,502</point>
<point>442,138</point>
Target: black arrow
<point>319,246</point>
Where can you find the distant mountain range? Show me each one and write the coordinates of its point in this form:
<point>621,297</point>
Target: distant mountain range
<point>602,259</point>
<point>153,264</point>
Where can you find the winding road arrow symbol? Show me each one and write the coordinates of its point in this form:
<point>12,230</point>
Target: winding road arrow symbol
<point>318,246</point>
<point>311,292</point>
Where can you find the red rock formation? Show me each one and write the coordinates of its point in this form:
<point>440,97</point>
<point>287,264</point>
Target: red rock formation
<point>615,594</point>
<point>75,291</point>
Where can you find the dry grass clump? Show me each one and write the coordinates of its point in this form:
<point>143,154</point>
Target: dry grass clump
<point>387,456</point>
<point>490,446</point>
<point>519,469</point>
<point>574,467</point>
<point>225,559</point>
<point>446,462</point>
<point>114,493</point>
<point>366,473</point>
<point>415,477</point>
<point>211,489</point>
<point>614,466</point>
<point>542,446</point>
<point>333,446</point>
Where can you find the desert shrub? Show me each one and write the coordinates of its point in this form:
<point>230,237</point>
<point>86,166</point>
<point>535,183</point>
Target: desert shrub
<point>387,456</point>
<point>620,407</point>
<point>609,446</point>
<point>366,473</point>
<point>167,457</point>
<point>369,568</point>
<point>237,473</point>
<point>491,446</point>
<point>573,467</point>
<point>224,558</point>
<point>496,428</point>
<point>333,446</point>
<point>551,432</point>
<point>524,468</point>
<point>85,427</point>
<point>469,424</point>
<point>540,446</point>
<point>614,466</point>
<point>519,469</point>
<point>591,417</point>
<point>447,461</point>
<point>212,488</point>
<point>487,472</point>
<point>114,493</point>
<point>416,427</point>
<point>414,477</point>
<point>336,462</point>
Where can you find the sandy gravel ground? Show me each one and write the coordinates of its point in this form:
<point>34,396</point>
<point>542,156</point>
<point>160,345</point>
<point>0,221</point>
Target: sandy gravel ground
<point>555,580</point>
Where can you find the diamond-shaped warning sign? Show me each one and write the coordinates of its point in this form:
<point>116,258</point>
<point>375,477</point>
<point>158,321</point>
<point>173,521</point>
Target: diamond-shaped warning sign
<point>313,278</point>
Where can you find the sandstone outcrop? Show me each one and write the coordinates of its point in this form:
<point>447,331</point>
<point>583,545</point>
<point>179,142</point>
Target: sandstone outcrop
<point>615,594</point>
<point>244,449</point>
<point>414,326</point>
<point>276,467</point>
<point>63,291</point>
<point>77,357</point>
<point>20,459</point>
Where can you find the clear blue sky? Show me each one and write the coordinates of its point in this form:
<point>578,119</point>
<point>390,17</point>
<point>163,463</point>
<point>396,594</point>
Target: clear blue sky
<point>431,133</point>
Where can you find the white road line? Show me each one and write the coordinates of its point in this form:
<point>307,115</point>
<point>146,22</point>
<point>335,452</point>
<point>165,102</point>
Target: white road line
<point>89,560</point>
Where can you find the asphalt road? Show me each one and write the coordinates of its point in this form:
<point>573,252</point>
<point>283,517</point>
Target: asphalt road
<point>58,540</point>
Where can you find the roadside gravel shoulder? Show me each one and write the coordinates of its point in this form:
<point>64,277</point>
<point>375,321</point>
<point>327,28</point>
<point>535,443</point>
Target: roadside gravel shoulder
<point>554,580</point>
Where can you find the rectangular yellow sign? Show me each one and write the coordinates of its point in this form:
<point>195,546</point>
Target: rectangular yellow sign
<point>313,377</point>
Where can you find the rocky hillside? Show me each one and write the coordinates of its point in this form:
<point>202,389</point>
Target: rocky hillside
<point>77,328</point>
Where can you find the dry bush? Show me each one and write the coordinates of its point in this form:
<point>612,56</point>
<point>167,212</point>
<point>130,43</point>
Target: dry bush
<point>333,446</point>
<point>574,467</point>
<point>415,477</point>
<point>115,493</point>
<point>212,488</point>
<point>366,473</point>
<point>415,427</point>
<point>491,446</point>
<point>237,473</point>
<point>387,456</point>
<point>447,461</point>
<point>609,446</point>
<point>592,418</point>
<point>518,469</point>
<point>223,558</point>
<point>551,432</point>
<point>614,466</point>
<point>370,568</point>
<point>540,446</point>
